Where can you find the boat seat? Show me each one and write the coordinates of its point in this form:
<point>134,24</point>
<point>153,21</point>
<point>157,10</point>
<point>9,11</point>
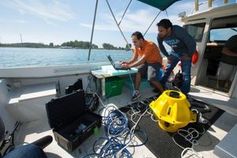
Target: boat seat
<point>27,103</point>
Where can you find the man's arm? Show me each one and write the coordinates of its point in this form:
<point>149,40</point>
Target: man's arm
<point>228,52</point>
<point>148,52</point>
<point>187,39</point>
<point>161,46</point>
<point>138,62</point>
<point>134,57</point>
<point>230,47</point>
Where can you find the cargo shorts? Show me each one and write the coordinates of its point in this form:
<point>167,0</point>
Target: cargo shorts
<point>150,70</point>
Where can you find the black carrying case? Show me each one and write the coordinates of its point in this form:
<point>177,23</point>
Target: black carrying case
<point>70,120</point>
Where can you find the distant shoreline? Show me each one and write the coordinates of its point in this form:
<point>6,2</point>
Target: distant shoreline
<point>60,48</point>
<point>66,45</point>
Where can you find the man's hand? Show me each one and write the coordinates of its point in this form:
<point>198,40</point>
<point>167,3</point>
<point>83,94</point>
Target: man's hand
<point>125,65</point>
<point>169,59</point>
<point>185,57</point>
<point>123,62</point>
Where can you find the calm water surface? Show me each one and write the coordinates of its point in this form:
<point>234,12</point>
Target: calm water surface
<point>33,57</point>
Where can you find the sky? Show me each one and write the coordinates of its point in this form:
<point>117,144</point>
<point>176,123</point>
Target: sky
<point>58,21</point>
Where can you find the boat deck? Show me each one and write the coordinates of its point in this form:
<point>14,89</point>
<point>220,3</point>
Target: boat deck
<point>34,130</point>
<point>28,132</point>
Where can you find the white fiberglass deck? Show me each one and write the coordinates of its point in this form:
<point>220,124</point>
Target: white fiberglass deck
<point>31,131</point>
<point>28,132</point>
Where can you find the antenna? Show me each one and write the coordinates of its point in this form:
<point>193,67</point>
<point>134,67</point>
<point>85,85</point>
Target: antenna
<point>182,14</point>
<point>21,37</point>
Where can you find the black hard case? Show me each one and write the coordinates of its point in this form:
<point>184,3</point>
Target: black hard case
<point>70,120</point>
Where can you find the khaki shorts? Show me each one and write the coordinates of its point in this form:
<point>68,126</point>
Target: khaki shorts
<point>226,71</point>
<point>149,70</point>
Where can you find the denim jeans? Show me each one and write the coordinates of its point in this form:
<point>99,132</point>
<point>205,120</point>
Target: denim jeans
<point>26,151</point>
<point>186,71</point>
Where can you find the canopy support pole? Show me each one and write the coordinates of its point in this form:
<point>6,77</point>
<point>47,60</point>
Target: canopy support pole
<point>152,23</point>
<point>93,28</point>
<point>125,12</point>
<point>112,13</point>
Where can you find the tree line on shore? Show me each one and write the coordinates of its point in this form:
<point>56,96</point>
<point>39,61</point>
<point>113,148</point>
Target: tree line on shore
<point>70,44</point>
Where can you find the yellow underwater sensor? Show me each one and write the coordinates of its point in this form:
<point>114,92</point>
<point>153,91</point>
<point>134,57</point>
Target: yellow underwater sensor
<point>172,110</point>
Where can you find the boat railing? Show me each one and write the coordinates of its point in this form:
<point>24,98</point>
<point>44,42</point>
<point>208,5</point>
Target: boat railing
<point>209,3</point>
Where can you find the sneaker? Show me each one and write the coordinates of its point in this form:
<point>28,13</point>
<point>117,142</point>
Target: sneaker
<point>136,95</point>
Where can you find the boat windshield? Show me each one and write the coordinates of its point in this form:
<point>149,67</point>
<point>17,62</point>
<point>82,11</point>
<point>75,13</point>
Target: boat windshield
<point>195,30</point>
<point>222,34</point>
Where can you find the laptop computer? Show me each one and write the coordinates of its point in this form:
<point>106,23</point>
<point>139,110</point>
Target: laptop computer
<point>116,66</point>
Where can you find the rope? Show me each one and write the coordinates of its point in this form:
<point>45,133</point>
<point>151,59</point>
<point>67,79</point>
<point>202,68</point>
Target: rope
<point>118,137</point>
<point>189,153</point>
<point>190,135</point>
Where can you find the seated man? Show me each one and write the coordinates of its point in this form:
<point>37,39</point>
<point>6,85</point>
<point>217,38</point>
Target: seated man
<point>32,150</point>
<point>146,56</point>
<point>228,62</point>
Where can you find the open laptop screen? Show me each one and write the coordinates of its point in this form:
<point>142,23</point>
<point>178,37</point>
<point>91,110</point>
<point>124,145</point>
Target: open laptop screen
<point>116,66</point>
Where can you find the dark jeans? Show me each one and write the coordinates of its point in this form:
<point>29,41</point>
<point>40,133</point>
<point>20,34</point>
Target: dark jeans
<point>26,151</point>
<point>186,70</point>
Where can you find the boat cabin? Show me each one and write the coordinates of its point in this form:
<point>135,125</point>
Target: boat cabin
<point>211,29</point>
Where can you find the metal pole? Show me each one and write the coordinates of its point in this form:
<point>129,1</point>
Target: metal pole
<point>151,23</point>
<point>21,40</point>
<point>93,27</point>
<point>209,3</point>
<point>112,13</point>
<point>125,11</point>
<point>196,5</point>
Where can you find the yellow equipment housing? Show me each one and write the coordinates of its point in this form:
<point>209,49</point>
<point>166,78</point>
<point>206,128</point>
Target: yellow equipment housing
<point>173,110</point>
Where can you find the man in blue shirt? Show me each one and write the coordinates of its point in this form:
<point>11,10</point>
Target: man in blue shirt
<point>182,48</point>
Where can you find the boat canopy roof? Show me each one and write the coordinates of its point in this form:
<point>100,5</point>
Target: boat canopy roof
<point>162,5</point>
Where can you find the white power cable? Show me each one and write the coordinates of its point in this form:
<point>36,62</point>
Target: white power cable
<point>190,135</point>
<point>190,153</point>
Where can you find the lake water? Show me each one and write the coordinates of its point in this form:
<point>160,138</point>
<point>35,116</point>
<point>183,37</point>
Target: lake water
<point>33,57</point>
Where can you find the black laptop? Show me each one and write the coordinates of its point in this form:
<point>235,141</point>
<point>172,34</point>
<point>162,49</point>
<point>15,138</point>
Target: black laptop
<point>116,66</point>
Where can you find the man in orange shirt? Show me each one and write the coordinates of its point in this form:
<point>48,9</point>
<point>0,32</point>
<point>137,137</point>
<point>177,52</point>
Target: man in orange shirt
<point>146,56</point>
